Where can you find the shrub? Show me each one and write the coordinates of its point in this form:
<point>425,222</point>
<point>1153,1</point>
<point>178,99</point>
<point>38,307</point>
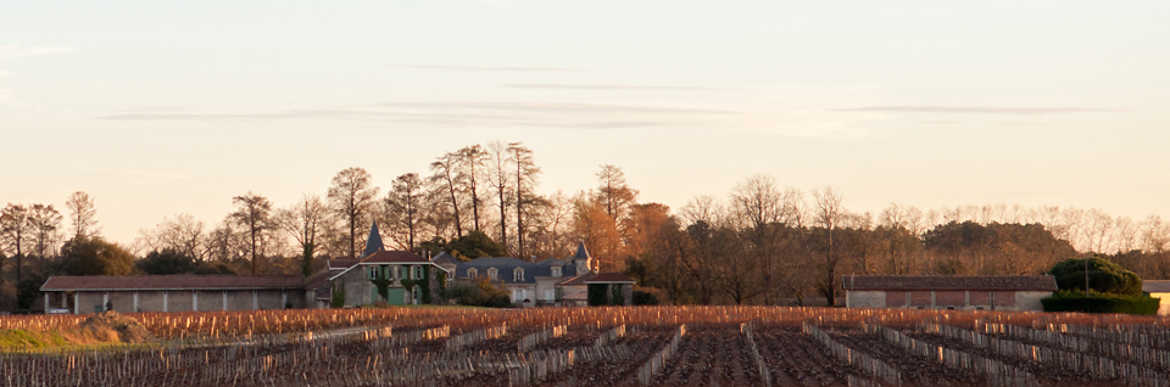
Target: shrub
<point>482,293</point>
<point>1104,276</point>
<point>1095,302</point>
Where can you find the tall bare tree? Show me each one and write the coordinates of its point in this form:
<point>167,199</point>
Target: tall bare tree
<point>15,229</point>
<point>82,214</point>
<point>351,198</point>
<point>525,177</point>
<point>498,176</point>
<point>471,164</point>
<point>829,213</point>
<point>254,212</point>
<point>305,221</point>
<point>183,234</point>
<point>45,222</point>
<point>404,203</point>
<point>444,176</point>
<point>613,191</point>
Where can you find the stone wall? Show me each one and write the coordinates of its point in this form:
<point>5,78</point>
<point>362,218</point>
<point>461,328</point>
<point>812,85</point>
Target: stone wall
<point>867,298</point>
<point>1030,300</point>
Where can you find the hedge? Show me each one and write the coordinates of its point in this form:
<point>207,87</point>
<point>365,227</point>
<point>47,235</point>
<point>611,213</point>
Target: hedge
<point>1075,301</point>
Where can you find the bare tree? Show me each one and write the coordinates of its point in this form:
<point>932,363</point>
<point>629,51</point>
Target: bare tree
<point>184,234</point>
<point>444,176</point>
<point>15,229</point>
<point>404,203</point>
<point>252,211</point>
<point>471,163</point>
<point>498,175</point>
<point>828,214</point>
<point>701,208</point>
<point>351,198</point>
<point>305,221</point>
<point>613,191</point>
<point>45,222</point>
<point>758,201</point>
<point>82,214</point>
<point>525,177</point>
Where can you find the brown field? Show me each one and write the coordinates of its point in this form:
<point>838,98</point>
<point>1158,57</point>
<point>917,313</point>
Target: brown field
<point>689,345</point>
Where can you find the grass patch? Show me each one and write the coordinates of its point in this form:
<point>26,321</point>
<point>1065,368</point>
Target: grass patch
<point>22,340</point>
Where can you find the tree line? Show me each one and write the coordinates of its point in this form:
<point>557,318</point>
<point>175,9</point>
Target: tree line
<point>761,243</point>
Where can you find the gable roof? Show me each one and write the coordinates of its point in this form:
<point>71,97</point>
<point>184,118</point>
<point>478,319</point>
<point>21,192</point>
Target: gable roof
<point>597,278</point>
<point>582,252</point>
<point>445,259</point>
<point>393,256</point>
<point>387,257</point>
<point>611,277</point>
<point>945,282</point>
<point>373,241</point>
<point>170,282</point>
<point>1156,286</point>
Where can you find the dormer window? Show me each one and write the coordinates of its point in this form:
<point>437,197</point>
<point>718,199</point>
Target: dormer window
<point>556,271</point>
<point>472,273</point>
<point>492,273</point>
<point>518,275</point>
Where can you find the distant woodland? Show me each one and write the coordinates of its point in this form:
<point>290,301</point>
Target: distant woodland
<point>762,243</point>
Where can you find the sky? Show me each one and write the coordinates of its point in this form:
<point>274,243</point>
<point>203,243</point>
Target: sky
<point>157,108</point>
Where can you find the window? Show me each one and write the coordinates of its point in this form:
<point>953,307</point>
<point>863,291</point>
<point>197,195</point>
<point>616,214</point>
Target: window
<point>518,274</point>
<point>402,272</point>
<point>472,273</point>
<point>556,271</point>
<point>387,271</point>
<point>550,295</point>
<point>492,273</point>
<point>418,272</point>
<point>373,273</point>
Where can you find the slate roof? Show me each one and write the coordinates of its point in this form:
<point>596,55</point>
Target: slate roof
<point>373,241</point>
<point>171,282</point>
<point>506,266</point>
<point>445,259</point>
<point>943,282</point>
<point>1156,286</point>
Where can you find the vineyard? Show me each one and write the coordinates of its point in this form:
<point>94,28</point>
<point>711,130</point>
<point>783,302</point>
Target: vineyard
<point>689,345</point>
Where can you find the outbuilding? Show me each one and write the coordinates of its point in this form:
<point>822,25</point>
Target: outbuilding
<point>1159,289</point>
<point>948,292</point>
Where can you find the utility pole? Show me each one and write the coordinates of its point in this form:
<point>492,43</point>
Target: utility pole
<point>1086,277</point>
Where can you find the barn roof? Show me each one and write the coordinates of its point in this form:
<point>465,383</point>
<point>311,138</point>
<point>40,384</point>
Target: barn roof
<point>946,282</point>
<point>170,282</point>
<point>1156,286</point>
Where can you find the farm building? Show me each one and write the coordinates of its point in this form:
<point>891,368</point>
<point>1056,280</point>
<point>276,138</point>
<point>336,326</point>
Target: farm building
<point>380,276</point>
<point>948,292</point>
<point>1159,289</point>
<point>547,282</point>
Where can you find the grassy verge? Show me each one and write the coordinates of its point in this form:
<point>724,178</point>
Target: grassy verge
<point>24,341</point>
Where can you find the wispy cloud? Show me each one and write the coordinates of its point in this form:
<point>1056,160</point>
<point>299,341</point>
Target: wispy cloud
<point>540,107</point>
<point>465,115</point>
<point>612,87</point>
<point>486,68</point>
<point>974,109</point>
<point>283,115</point>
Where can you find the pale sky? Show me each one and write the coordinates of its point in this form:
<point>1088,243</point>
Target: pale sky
<point>157,107</point>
